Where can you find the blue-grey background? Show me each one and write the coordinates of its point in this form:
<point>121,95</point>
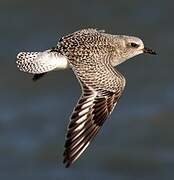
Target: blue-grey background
<point>137,141</point>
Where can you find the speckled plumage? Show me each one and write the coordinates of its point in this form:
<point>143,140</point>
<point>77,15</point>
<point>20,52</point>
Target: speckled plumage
<point>92,54</point>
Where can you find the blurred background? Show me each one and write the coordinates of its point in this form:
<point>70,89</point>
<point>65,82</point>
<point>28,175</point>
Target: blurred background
<point>137,141</point>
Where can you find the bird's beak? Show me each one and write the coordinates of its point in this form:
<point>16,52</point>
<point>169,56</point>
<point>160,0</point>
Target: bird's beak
<point>149,51</point>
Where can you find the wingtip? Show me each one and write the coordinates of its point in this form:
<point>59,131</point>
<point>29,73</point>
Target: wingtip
<point>67,162</point>
<point>67,159</point>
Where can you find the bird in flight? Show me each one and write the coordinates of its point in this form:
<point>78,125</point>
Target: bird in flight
<point>92,55</point>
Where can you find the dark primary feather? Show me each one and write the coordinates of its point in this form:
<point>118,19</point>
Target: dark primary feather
<point>96,109</point>
<point>91,111</point>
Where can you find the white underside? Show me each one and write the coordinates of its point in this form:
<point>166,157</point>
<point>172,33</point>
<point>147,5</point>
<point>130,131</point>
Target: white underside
<point>62,63</point>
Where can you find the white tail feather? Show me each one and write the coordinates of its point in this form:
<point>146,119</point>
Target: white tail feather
<point>40,62</point>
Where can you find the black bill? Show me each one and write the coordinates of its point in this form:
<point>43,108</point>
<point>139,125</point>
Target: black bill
<point>149,51</point>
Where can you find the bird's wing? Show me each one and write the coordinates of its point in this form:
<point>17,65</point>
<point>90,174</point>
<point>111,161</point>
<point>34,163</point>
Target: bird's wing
<point>41,62</point>
<point>91,111</point>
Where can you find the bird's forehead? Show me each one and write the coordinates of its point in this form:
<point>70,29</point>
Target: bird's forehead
<point>133,39</point>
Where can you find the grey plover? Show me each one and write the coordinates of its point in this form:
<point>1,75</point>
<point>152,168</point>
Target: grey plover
<point>92,55</point>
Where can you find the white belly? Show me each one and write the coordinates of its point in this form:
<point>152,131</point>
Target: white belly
<point>62,63</point>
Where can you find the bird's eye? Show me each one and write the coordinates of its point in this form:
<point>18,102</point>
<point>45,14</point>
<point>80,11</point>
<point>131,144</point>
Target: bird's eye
<point>134,45</point>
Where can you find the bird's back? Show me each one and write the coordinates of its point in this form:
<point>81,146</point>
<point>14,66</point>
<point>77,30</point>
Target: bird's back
<point>82,45</point>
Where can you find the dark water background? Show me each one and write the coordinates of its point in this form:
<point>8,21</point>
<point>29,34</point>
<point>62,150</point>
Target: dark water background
<point>137,142</point>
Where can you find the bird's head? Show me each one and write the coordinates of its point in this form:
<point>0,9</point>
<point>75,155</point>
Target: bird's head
<point>128,47</point>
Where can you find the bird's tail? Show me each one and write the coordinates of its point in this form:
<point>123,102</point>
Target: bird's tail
<point>40,62</point>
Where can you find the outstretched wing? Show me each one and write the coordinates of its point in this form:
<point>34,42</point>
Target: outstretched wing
<point>41,62</point>
<point>91,111</point>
